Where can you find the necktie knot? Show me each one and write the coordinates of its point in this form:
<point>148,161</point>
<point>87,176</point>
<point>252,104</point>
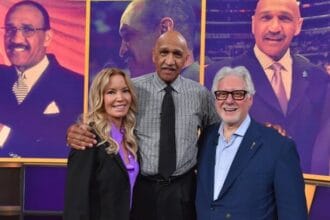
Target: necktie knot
<point>168,89</point>
<point>277,67</point>
<point>22,75</point>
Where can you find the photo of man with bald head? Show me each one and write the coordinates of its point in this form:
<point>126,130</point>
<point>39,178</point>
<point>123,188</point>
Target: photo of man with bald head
<point>140,23</point>
<point>297,98</point>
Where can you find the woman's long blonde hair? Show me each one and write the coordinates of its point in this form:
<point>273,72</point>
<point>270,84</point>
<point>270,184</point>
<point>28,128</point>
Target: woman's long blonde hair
<point>97,115</point>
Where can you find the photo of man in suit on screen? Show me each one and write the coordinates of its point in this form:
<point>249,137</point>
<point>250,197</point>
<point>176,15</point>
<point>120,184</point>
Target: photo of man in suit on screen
<point>300,102</point>
<point>39,97</point>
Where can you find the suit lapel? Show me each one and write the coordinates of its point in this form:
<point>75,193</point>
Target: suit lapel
<point>264,90</point>
<point>42,92</point>
<point>116,157</point>
<point>120,162</point>
<point>207,169</point>
<point>299,83</point>
<point>210,172</point>
<point>6,86</point>
<point>249,146</point>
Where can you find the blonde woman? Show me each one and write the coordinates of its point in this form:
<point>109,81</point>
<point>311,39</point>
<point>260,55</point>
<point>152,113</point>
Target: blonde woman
<point>100,180</point>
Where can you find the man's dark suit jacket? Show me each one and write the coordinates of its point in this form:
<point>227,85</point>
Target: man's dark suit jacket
<point>264,181</point>
<point>98,186</point>
<point>308,106</point>
<point>34,133</point>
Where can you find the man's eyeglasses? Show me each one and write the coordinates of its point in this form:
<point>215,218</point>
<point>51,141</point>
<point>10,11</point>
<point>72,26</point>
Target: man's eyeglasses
<point>27,31</point>
<point>236,94</point>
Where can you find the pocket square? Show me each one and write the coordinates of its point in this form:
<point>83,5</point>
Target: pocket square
<point>52,108</point>
<point>4,133</point>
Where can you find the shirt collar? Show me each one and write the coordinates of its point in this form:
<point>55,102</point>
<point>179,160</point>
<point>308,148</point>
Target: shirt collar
<point>161,85</point>
<point>241,130</point>
<point>265,61</point>
<point>32,74</point>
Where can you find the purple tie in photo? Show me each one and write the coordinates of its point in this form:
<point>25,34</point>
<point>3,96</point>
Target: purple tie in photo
<point>278,86</point>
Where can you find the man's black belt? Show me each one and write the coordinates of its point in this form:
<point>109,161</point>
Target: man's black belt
<point>158,179</point>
